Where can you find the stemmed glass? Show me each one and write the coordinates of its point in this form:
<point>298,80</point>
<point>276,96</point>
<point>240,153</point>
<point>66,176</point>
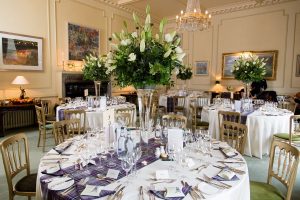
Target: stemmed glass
<point>100,150</point>
<point>111,151</point>
<point>127,164</point>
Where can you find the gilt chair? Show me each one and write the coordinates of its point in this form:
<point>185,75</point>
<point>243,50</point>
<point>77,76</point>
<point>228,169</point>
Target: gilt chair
<point>196,118</point>
<point>77,114</point>
<point>15,156</point>
<point>174,120</point>
<point>283,164</point>
<point>48,110</point>
<point>45,127</point>
<point>228,116</point>
<point>293,137</point>
<point>291,106</point>
<point>234,134</point>
<point>65,129</point>
<point>179,104</point>
<point>129,110</point>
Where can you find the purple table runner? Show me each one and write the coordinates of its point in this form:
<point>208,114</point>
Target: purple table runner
<point>91,171</point>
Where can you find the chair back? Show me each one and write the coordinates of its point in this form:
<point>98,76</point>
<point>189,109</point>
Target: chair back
<point>228,116</point>
<point>77,114</point>
<point>202,101</point>
<point>65,129</point>
<point>291,106</point>
<point>174,120</point>
<point>40,115</point>
<point>15,156</point>
<point>123,118</point>
<point>234,134</point>
<point>129,110</point>
<point>283,165</point>
<point>179,101</point>
<point>47,106</point>
<point>294,127</point>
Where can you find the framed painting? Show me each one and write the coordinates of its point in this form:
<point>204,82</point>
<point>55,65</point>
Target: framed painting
<point>298,66</point>
<point>20,52</point>
<point>271,63</point>
<point>82,41</point>
<point>201,68</point>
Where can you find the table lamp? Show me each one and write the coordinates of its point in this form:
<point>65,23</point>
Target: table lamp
<point>20,80</point>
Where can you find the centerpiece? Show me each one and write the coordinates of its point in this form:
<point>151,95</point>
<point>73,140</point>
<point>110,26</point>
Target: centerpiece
<point>184,74</point>
<point>96,69</point>
<point>144,59</point>
<point>248,69</point>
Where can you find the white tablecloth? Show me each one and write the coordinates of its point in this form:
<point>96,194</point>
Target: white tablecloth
<point>95,118</point>
<point>240,189</point>
<point>260,129</point>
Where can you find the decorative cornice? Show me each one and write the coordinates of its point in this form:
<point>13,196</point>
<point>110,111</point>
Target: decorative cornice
<point>245,5</point>
<point>124,8</point>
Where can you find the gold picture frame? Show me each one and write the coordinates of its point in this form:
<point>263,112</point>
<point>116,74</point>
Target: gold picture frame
<point>228,60</point>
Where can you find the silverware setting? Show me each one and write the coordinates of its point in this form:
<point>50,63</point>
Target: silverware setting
<point>241,172</point>
<point>110,197</point>
<point>218,185</point>
<point>141,193</point>
<point>118,194</point>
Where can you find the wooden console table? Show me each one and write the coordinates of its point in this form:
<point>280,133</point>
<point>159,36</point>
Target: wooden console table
<point>16,116</point>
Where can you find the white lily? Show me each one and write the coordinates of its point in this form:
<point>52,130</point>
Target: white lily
<point>142,45</point>
<point>168,38</point>
<point>134,34</point>
<point>168,53</point>
<point>178,50</point>
<point>131,57</point>
<point>180,56</point>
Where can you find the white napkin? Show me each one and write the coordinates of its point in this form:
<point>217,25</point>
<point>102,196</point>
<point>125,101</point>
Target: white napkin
<point>174,192</point>
<point>229,151</point>
<point>91,190</point>
<point>226,174</point>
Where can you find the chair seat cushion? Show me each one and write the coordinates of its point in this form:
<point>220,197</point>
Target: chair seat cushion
<point>51,118</point>
<point>49,126</point>
<point>201,123</point>
<point>286,136</point>
<point>27,184</point>
<point>264,191</point>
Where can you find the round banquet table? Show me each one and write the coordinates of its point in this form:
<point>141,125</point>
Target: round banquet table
<point>240,189</point>
<point>96,118</point>
<point>261,127</point>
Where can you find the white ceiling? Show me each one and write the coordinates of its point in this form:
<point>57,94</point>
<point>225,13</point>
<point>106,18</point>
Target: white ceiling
<point>168,8</point>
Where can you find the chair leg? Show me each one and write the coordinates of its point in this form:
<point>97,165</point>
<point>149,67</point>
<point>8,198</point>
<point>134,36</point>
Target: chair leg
<point>39,140</point>
<point>44,141</point>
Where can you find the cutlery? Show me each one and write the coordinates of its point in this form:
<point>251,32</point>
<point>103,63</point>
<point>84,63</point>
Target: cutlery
<point>213,184</point>
<point>104,178</point>
<point>190,192</point>
<point>164,181</point>
<point>200,192</point>
<point>141,193</point>
<point>116,195</point>
<point>215,181</point>
<point>231,162</point>
<point>231,169</point>
<point>112,195</point>
<point>67,191</point>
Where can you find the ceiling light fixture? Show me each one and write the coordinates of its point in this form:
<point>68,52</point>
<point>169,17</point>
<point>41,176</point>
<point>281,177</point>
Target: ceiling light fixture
<point>193,19</point>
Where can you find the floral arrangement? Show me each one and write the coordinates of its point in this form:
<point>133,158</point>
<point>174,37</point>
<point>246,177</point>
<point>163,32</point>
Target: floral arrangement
<point>249,69</point>
<point>26,100</point>
<point>95,68</point>
<point>143,59</point>
<point>185,74</point>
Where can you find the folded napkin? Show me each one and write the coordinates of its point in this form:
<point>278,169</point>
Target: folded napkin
<point>229,152</point>
<point>226,175</point>
<point>62,147</point>
<point>161,194</point>
<point>55,173</point>
<point>94,192</point>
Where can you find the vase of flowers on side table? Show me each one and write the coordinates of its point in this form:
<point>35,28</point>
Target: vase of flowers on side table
<point>144,60</point>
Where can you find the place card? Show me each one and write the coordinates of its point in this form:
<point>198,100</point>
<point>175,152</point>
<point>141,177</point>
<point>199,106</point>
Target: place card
<point>91,190</point>
<point>237,105</point>
<point>174,192</point>
<point>175,138</point>
<point>162,174</point>
<point>112,173</point>
<point>226,174</point>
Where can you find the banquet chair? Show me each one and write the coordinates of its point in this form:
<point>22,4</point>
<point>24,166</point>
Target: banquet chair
<point>48,110</point>
<point>234,134</point>
<point>294,131</point>
<point>45,127</point>
<point>15,156</point>
<point>179,104</point>
<point>228,116</point>
<point>65,129</point>
<point>291,106</point>
<point>174,120</point>
<point>202,101</point>
<point>196,118</point>
<point>283,164</point>
<point>77,114</point>
<point>124,118</point>
<point>131,111</point>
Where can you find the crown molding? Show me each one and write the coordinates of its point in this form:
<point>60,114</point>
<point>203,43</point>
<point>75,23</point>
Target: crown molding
<point>124,8</point>
<point>245,5</point>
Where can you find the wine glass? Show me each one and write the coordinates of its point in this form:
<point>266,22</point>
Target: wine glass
<point>111,151</point>
<point>126,165</point>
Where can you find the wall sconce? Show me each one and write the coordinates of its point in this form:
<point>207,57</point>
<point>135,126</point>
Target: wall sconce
<point>217,82</point>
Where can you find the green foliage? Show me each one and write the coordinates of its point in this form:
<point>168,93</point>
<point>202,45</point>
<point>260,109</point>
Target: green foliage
<point>141,58</point>
<point>185,74</point>
<point>95,68</point>
<point>249,69</point>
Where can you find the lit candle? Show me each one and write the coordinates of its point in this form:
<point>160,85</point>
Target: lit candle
<point>206,12</point>
<point>181,12</point>
<point>209,16</point>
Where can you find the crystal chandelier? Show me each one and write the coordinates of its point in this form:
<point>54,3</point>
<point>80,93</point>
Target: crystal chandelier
<point>193,19</point>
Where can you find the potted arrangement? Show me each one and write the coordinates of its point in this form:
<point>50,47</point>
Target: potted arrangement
<point>95,69</point>
<point>144,59</point>
<point>248,69</point>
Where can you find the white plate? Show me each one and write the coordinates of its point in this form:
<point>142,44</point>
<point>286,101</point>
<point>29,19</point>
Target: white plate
<point>52,169</point>
<point>60,184</point>
<point>207,189</point>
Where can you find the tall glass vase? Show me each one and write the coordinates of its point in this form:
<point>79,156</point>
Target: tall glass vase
<point>145,101</point>
<point>247,87</point>
<point>97,88</point>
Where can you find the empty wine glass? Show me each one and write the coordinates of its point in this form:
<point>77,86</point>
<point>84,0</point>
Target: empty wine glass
<point>111,151</point>
<point>126,165</point>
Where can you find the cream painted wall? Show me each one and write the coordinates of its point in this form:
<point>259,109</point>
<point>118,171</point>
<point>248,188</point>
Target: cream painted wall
<point>274,27</point>
<point>48,19</point>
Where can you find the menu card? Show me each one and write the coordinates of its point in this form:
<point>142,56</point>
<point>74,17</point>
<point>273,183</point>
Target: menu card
<point>175,138</point>
<point>237,105</point>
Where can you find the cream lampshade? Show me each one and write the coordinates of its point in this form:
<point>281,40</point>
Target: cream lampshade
<point>20,80</point>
